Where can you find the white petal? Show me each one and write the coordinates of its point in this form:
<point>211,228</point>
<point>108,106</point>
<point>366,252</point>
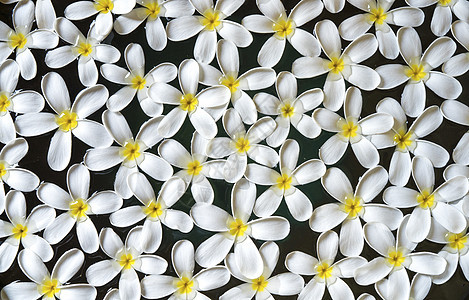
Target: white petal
<point>92,133</point>
<point>102,159</point>
<point>8,251</point>
<point>305,11</point>
<point>379,237</point>
<point>21,290</point>
<point>56,92</point>
<point>366,153</point>
<point>300,263</point>
<point>248,259</point>
<point>27,64</point>
<point>455,111</point>
<point>7,129</point>
<point>171,122</point>
<point>387,42</point>
<point>409,44</point>
<point>444,85</point>
<point>213,250</point>
<point>235,33</point>
<point>355,26</point>
<point>413,98</point>
<point>183,28</point>
<point>128,282</point>
<point>372,183</point>
<point>419,225</point>
<point>298,204</point>
<point>257,78</point>
<point>110,242</point>
<point>307,67</point>
<point>258,23</point>
<point>457,65</point>
<point>22,179</point>
<point>75,291</point>
<point>334,91</point>
<point>392,75</point>
<point>59,228</point>
<point>376,123</point>
<point>327,246</point>
<point>314,289</point>
<point>285,284</point>
<point>60,150</point>
<point>156,34</point>
<point>270,228</point>
<point>212,278</point>
<point>427,263</point>
<point>372,272</point>
<point>157,286</point>
<point>439,51</point>
<point>351,237</point>
<point>449,217</point>
<point>272,9</point>
<point>87,236</point>
<point>156,167</point>
<point>40,217</point>
<point>305,43</point>
<point>151,236</point>
<point>32,266</point>
<point>80,10</point>
<point>205,46</point>
<point>435,153</point>
<point>268,202</point>
<point>332,150</point>
<point>39,246</point>
<point>348,265</point>
<point>340,290</point>
<point>127,216</point>
<point>441,20</point>
<point>400,197</point>
<point>271,52</point>
<point>363,77</point>
<point>389,216</point>
<point>27,102</point>
<point>354,50</point>
<point>178,220</point>
<point>127,23</point>
<point>452,264</point>
<point>117,127</point>
<point>210,217</point>
<point>326,217</point>
<point>245,106</point>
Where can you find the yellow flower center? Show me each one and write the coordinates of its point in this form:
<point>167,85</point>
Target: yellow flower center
<point>395,258</point>
<point>188,102</point>
<point>425,199</point>
<point>242,145</point>
<point>237,228</point>
<point>49,288</point>
<point>17,41</point>
<point>457,241</point>
<point>230,82</point>
<point>259,284</point>
<point>416,72</point>
<point>126,261</point>
<point>353,206</point>
<point>210,19</point>
<point>283,27</point>
<point>84,48</point>
<point>444,2</point>
<point>78,208</point>
<point>194,168</point>
<point>403,140</point>
<point>19,231</point>
<point>287,110</point>
<point>349,129</point>
<point>104,6</point>
<point>153,9</point>
<point>336,65</point>
<point>138,82</point>
<point>184,285</point>
<point>4,103</point>
<point>284,182</point>
<point>378,15</point>
<point>324,270</point>
<point>67,120</point>
<point>130,151</point>
<point>3,169</point>
<point>153,210</point>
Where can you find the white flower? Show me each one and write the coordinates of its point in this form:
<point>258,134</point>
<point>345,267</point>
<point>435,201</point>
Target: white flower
<point>419,288</point>
<point>339,65</point>
<point>459,113</point>
<point>189,102</point>
<point>395,257</point>
<point>152,11</point>
<point>78,206</point>
<point>68,119</point>
<point>262,287</point>
<point>285,27</point>
<point>126,259</point>
<point>253,79</point>
<point>326,272</point>
<point>22,39</point>
<point>418,72</point>
<point>87,50</point>
<point>136,81</point>
<point>22,229</point>
<point>459,64</point>
<point>186,285</point>
<point>430,205</point>
<point>283,183</point>
<point>46,285</point>
<point>211,21</point>
<point>351,130</point>
<point>442,16</point>
<point>241,144</point>
<point>352,206</point>
<point>130,153</point>
<point>154,210</point>
<point>236,229</point>
<point>195,167</point>
<point>409,141</point>
<point>17,102</point>
<point>104,8</point>
<point>17,178</point>
<point>290,109</point>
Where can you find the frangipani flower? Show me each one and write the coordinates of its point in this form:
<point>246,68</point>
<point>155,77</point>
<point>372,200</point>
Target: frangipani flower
<point>378,13</point>
<point>20,102</point>
<point>340,64</point>
<point>130,153</point>
<point>104,8</point>
<point>126,259</point>
<point>68,119</point>
<point>155,210</point>
<point>442,16</point>
<point>241,144</point>
<point>236,229</point>
<point>290,109</point>
<point>285,27</point>
<point>395,257</point>
<point>409,141</point>
<point>46,285</point>
<point>189,102</point>
<point>351,130</point>
<point>17,178</point>
<point>186,286</point>
<point>419,288</point>
<point>458,64</point>
<point>431,205</point>
<point>136,81</point>
<point>78,206</point>
<point>211,21</point>
<point>22,229</point>
<point>87,50</point>
<point>253,79</point>
<point>284,284</point>
<point>353,206</point>
<point>459,113</point>
<point>152,11</point>
<point>195,167</point>
<point>283,183</point>
<point>326,273</point>
<point>21,39</point>
<point>418,72</point>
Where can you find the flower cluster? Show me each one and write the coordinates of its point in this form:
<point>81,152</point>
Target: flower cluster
<point>220,145</point>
